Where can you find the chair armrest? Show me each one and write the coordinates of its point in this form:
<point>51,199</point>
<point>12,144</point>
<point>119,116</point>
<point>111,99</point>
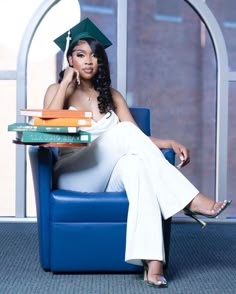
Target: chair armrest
<point>169,155</point>
<point>41,160</point>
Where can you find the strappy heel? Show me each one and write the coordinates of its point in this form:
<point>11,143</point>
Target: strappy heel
<point>145,272</point>
<point>193,214</point>
<point>162,282</point>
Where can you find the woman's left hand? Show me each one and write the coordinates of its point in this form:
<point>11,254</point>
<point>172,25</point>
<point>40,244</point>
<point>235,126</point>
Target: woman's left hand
<point>182,152</point>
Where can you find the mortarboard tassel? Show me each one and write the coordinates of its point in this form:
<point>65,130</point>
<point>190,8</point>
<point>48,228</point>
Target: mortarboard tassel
<point>65,61</point>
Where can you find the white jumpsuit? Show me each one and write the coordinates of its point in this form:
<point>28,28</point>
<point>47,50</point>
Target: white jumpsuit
<point>122,157</point>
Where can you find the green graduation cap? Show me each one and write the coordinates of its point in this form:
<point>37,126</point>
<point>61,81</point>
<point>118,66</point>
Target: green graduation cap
<point>86,28</point>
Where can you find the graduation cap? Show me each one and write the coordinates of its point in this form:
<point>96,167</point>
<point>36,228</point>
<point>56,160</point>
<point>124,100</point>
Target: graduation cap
<point>84,29</point>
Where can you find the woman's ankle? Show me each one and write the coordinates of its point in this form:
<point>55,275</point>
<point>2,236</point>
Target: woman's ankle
<point>155,267</point>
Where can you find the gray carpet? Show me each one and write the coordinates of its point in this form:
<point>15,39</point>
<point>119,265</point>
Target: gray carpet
<point>201,261</point>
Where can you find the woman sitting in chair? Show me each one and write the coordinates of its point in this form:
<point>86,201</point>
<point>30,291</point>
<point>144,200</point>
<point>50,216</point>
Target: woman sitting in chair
<point>120,156</point>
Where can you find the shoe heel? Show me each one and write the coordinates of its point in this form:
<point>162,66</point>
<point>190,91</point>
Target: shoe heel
<point>201,222</point>
<point>145,276</point>
<point>145,272</point>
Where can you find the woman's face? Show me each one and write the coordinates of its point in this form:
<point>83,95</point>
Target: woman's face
<point>84,60</point>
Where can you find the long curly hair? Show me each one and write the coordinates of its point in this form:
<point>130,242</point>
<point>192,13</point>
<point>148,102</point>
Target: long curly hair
<point>102,80</point>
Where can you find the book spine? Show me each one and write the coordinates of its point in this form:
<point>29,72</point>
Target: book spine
<point>67,122</point>
<point>24,127</point>
<point>33,137</point>
<point>53,144</point>
<point>56,113</point>
<point>56,144</point>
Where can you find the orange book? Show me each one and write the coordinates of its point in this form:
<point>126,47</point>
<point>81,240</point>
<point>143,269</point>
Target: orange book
<point>53,144</point>
<point>68,122</point>
<point>56,113</point>
<point>64,144</point>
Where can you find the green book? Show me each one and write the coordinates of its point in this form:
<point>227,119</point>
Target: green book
<point>25,127</point>
<point>45,137</point>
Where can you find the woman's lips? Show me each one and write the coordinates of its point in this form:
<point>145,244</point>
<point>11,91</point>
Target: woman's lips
<point>88,70</point>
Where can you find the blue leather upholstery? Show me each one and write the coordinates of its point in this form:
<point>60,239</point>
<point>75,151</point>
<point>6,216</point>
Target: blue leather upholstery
<point>83,231</point>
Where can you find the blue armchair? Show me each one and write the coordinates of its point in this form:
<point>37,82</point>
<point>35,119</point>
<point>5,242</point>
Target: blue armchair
<point>83,232</point>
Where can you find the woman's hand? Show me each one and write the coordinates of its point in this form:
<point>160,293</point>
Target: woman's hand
<point>56,94</point>
<point>182,152</point>
<point>71,75</point>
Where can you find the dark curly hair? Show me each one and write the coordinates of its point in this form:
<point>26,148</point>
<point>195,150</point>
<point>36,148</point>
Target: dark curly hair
<point>101,81</point>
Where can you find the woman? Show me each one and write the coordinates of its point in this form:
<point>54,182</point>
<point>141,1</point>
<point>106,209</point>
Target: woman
<point>120,155</point>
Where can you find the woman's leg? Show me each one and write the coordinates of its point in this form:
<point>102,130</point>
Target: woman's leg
<point>144,236</point>
<point>90,169</point>
<point>172,189</point>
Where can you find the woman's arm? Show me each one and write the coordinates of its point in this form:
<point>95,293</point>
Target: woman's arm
<point>57,94</point>
<point>54,97</point>
<point>178,148</point>
<point>122,111</point>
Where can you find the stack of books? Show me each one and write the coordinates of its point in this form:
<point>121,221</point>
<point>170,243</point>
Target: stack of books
<point>47,127</point>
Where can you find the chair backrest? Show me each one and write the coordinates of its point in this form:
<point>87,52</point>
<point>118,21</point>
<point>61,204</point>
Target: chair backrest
<point>142,118</point>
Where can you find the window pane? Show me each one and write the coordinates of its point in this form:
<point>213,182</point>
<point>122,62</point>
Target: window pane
<point>168,10</point>
<point>8,154</point>
<point>9,47</point>
<point>170,73</point>
<point>227,20</point>
<point>231,149</point>
<point>13,23</point>
<point>104,14</point>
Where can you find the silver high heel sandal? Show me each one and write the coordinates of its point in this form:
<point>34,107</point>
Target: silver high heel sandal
<point>161,281</point>
<point>193,214</point>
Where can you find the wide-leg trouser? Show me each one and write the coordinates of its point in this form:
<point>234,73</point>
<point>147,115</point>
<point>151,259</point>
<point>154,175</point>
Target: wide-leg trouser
<point>125,158</point>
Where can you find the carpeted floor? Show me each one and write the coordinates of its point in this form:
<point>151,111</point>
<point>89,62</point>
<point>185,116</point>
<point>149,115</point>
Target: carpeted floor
<point>201,262</point>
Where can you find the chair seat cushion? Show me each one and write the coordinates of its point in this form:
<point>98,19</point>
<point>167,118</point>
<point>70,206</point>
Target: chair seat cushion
<point>69,206</point>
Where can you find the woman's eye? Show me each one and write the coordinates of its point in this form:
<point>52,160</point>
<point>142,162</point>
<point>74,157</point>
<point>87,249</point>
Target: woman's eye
<point>94,55</point>
<point>80,55</point>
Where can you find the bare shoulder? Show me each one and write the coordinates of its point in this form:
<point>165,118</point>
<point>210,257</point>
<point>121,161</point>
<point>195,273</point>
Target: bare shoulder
<point>117,97</point>
<point>122,109</point>
<point>115,92</point>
